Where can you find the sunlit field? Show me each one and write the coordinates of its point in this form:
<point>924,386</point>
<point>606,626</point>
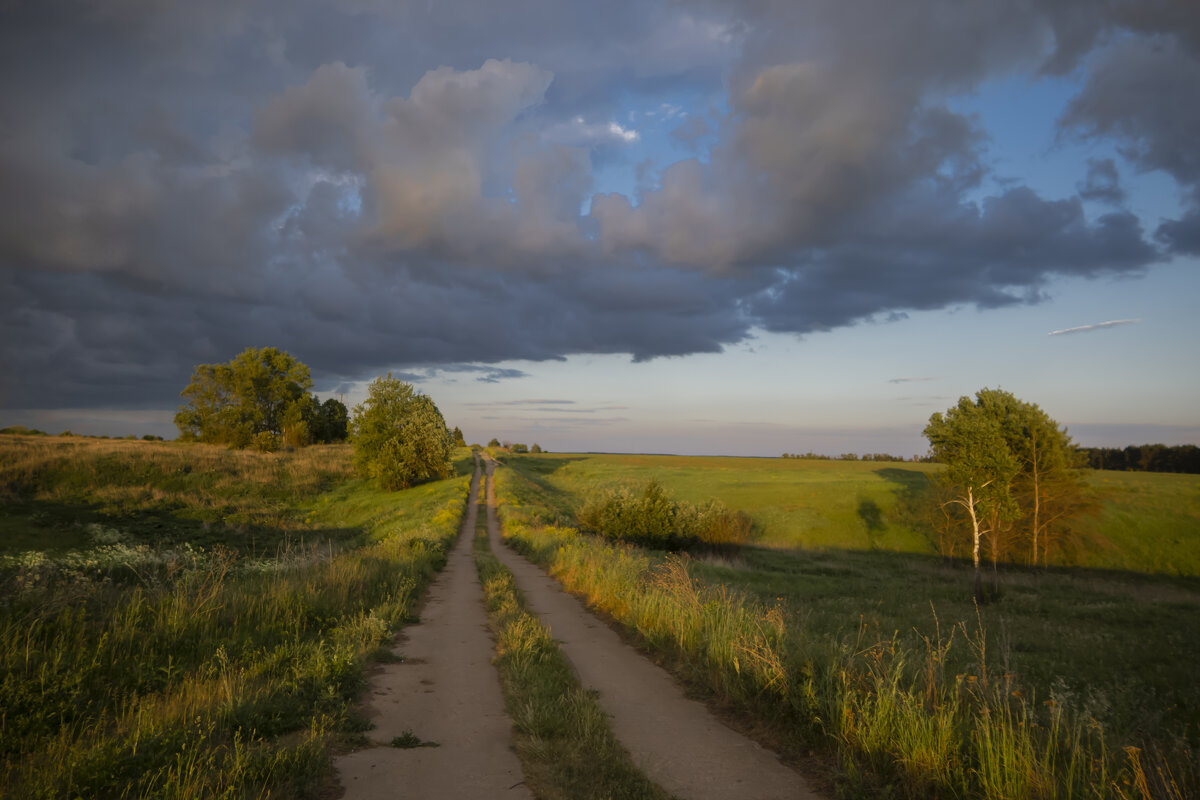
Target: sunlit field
<point>188,621</point>
<point>852,636</point>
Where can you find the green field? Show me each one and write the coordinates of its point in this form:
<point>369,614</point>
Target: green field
<point>1147,522</point>
<point>188,621</point>
<point>844,569</point>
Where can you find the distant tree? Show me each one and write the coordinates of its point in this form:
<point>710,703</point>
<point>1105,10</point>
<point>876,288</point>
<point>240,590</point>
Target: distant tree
<point>537,448</point>
<point>459,439</point>
<point>332,422</point>
<point>258,392</point>
<point>517,447</point>
<point>494,442</point>
<point>979,471</point>
<point>400,438</point>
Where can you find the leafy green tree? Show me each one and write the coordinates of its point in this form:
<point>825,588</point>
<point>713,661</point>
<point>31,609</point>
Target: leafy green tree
<point>332,422</point>
<point>980,467</point>
<point>537,448</point>
<point>259,391</point>
<point>1048,486</point>
<point>459,439</point>
<point>400,438</point>
<point>494,442</point>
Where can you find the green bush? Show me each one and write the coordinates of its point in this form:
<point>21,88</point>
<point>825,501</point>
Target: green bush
<point>266,442</point>
<point>652,518</point>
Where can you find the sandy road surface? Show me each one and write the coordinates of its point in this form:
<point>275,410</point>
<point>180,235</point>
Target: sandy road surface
<point>446,691</point>
<point>674,740</point>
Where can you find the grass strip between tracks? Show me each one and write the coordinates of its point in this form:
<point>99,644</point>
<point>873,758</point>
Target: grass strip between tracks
<point>563,738</point>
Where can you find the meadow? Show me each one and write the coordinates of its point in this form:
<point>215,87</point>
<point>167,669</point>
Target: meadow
<point>187,621</point>
<point>841,632</point>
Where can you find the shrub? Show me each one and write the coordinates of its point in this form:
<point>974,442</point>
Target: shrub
<point>652,518</point>
<point>266,442</point>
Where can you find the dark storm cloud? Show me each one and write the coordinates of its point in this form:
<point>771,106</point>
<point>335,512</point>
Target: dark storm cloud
<point>377,185</point>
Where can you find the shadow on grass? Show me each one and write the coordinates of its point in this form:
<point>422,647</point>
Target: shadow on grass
<point>55,527</point>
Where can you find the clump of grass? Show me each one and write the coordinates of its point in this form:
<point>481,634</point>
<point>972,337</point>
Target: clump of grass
<point>563,738</point>
<point>409,740</point>
<point>897,719</point>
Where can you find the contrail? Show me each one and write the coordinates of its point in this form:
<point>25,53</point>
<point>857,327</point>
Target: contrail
<point>1084,328</point>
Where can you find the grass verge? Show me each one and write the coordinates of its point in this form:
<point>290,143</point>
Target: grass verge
<point>563,738</point>
<point>143,662</point>
<point>944,716</point>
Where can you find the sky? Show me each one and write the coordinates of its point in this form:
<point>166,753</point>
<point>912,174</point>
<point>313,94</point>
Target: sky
<point>737,227</point>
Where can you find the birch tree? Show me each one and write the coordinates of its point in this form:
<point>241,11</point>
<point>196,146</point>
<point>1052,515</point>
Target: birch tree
<point>980,468</point>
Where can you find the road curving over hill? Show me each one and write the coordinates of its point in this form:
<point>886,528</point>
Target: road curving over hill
<point>675,741</point>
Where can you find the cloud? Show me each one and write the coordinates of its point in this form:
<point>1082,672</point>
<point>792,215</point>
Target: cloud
<point>1112,323</point>
<point>911,380</point>
<point>375,185</point>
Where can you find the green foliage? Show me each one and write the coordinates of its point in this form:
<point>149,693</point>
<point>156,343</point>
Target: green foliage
<point>518,447</point>
<point>459,440</point>
<point>537,448</point>
<point>259,391</point>
<point>400,438</point>
<point>494,442</point>
<point>1012,473</point>
<point>652,518</point>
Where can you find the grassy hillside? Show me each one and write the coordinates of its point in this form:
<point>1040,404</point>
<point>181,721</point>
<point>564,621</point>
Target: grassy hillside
<point>1148,522</point>
<point>186,621</point>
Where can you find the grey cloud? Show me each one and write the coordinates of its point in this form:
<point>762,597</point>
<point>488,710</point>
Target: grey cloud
<point>367,184</point>
<point>1103,182</point>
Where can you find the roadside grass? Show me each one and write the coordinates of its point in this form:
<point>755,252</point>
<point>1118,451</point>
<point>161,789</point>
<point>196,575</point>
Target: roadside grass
<point>1075,683</point>
<point>197,622</point>
<point>563,738</point>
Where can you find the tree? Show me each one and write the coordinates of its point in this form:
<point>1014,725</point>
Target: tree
<point>1034,463</point>
<point>494,442</point>
<point>537,448</point>
<point>250,399</point>
<point>1048,487</point>
<point>332,423</point>
<point>459,439</point>
<point>980,468</point>
<point>400,438</point>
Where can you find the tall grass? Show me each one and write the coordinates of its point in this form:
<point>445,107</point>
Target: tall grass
<point>896,718</point>
<point>168,670</point>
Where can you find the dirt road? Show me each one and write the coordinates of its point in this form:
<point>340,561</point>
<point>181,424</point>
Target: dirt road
<point>674,740</point>
<point>447,692</point>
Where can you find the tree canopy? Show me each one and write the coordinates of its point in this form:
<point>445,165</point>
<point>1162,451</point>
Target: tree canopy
<point>261,397</point>
<point>400,437</point>
<point>1010,476</point>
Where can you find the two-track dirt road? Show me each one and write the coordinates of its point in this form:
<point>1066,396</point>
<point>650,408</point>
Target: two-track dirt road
<point>674,740</point>
<point>446,691</point>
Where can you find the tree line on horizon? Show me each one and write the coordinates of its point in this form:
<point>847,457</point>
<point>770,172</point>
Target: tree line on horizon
<point>1183,458</point>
